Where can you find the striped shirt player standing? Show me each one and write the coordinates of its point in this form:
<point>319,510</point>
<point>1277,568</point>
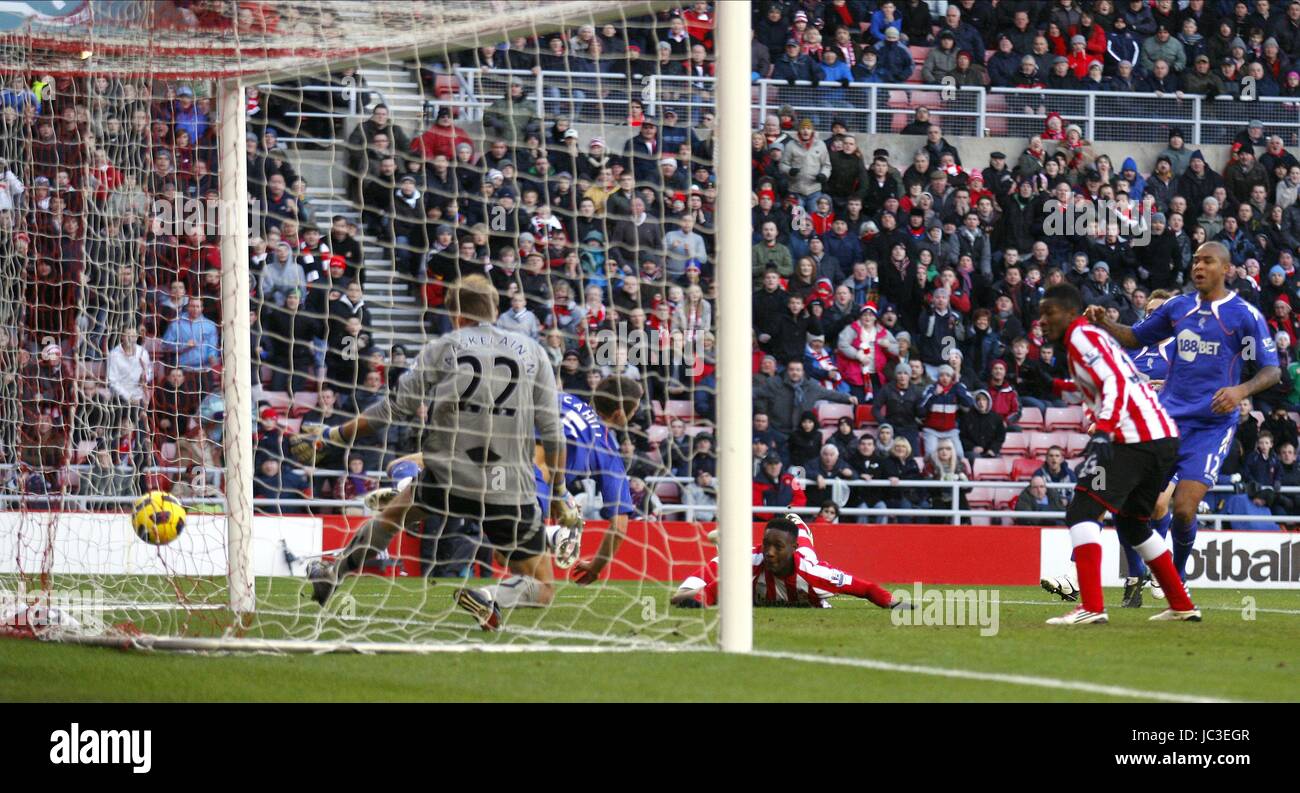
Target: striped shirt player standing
<point>786,572</point>
<point>1152,362</point>
<point>1127,462</point>
<point>1215,333</point>
<point>484,397</point>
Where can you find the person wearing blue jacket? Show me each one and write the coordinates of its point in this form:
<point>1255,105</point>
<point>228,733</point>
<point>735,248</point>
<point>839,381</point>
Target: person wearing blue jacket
<point>885,18</point>
<point>835,79</point>
<point>895,59</point>
<point>794,65</point>
<point>1121,45</point>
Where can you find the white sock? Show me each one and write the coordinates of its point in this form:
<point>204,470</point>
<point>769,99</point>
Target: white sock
<point>517,591</point>
<point>552,534</point>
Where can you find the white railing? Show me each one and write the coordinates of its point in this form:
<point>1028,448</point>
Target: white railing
<point>880,108</point>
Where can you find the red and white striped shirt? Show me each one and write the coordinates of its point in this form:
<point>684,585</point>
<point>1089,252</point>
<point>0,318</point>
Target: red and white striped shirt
<point>1125,406</point>
<point>810,584</point>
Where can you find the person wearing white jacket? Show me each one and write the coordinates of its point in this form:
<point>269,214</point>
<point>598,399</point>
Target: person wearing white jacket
<point>519,319</point>
<point>11,187</point>
<point>129,373</point>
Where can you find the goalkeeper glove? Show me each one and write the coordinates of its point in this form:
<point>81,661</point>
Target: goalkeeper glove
<point>565,512</point>
<point>307,447</point>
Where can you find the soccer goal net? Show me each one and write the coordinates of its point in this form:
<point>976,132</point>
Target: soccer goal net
<point>228,230</point>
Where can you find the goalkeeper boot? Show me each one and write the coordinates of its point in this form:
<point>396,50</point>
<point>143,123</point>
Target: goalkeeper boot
<point>1132,593</point>
<point>1080,616</point>
<point>379,498</point>
<point>323,579</point>
<point>1062,586</point>
<point>481,606</point>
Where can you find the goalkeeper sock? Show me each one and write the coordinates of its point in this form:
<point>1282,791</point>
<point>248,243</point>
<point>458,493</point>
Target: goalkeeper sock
<point>517,591</point>
<point>1184,534</point>
<point>369,540</point>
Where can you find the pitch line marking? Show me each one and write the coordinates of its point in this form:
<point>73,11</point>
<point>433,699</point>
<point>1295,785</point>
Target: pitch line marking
<point>992,677</point>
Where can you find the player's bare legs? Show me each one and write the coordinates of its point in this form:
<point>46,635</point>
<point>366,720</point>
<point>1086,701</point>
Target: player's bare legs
<point>370,539</point>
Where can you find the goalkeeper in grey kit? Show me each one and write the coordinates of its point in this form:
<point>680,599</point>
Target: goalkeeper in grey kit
<point>485,397</point>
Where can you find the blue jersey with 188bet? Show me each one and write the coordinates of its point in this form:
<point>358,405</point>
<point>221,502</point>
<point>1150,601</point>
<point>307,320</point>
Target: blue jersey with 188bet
<point>1211,342</point>
<point>592,453</point>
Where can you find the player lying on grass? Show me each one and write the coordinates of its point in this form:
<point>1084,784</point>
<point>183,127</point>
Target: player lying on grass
<point>591,452</point>
<point>483,398</point>
<point>787,572</point>
<point>1216,333</point>
<point>1127,462</point>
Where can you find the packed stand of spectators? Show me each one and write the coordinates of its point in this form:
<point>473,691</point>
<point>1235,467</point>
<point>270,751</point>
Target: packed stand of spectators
<point>909,280</point>
<point>898,287</point>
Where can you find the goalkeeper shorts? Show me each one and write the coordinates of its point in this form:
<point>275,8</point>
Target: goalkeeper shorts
<point>514,530</point>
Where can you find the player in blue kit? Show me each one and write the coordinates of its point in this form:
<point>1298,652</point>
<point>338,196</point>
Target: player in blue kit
<point>1215,333</point>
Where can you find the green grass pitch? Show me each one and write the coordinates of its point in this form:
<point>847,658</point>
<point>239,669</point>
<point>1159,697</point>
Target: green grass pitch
<point>1233,654</point>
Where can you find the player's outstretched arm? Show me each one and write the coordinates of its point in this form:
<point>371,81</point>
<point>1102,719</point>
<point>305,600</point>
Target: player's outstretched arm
<point>1122,333</point>
<point>588,572</point>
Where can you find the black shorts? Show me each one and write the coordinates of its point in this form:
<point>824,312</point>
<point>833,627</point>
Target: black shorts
<point>1129,486</point>
<point>512,529</point>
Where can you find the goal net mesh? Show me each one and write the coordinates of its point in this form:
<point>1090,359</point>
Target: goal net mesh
<point>390,148</point>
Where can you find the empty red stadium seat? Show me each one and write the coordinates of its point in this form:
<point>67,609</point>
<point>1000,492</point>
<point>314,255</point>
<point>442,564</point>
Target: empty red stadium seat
<point>919,54</point>
<point>991,469</point>
<point>1031,419</point>
<point>830,413</point>
<point>279,400</point>
<point>668,491</point>
<point>1023,469</point>
<point>864,415</point>
<point>1040,442</point>
<point>980,497</point>
<point>304,401</point>
<point>679,409</point>
<point>898,100</point>
<point>1004,497</point>
<point>657,411</point>
<point>1016,444</point>
<point>928,99</point>
<point>1075,443</point>
<point>1071,418</point>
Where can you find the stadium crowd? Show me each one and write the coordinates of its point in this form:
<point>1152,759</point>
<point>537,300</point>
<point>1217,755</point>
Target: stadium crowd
<point>903,283</point>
